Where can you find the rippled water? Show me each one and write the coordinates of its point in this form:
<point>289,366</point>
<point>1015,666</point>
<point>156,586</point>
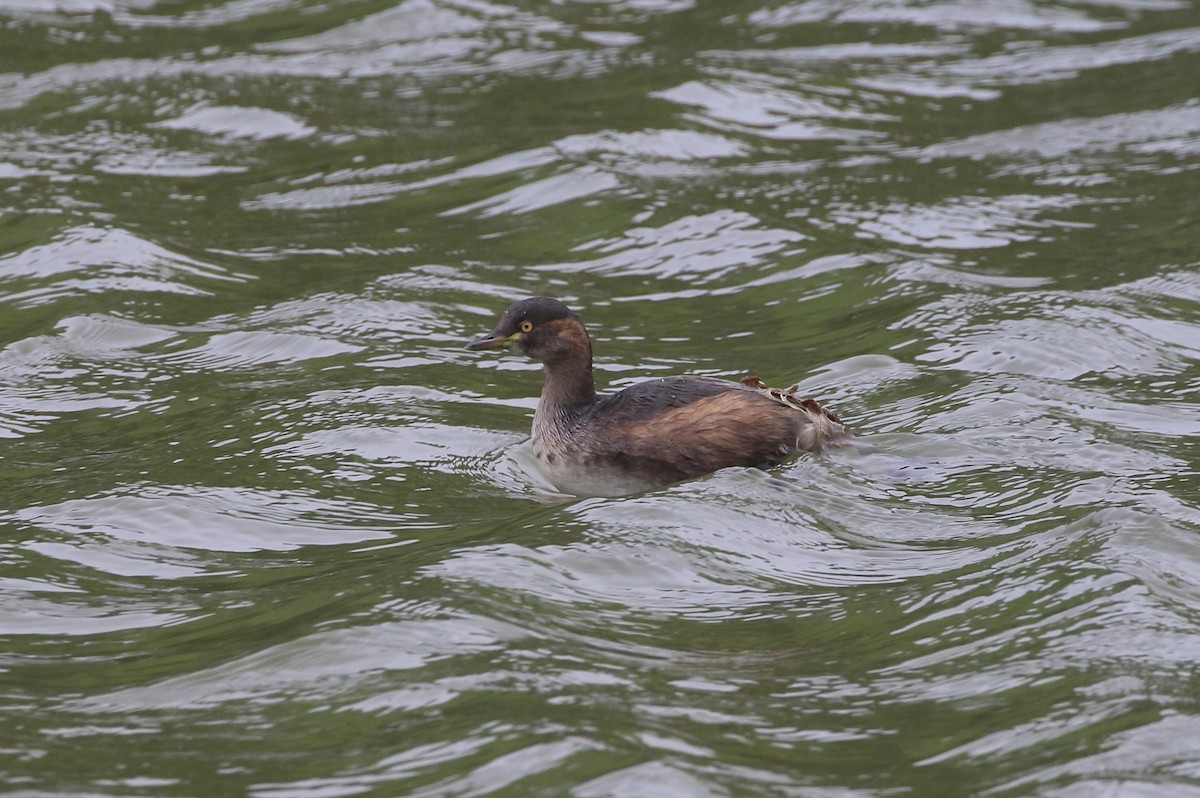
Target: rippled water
<point>269,530</point>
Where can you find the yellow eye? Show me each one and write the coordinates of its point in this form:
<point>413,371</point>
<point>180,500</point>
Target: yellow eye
<point>526,325</point>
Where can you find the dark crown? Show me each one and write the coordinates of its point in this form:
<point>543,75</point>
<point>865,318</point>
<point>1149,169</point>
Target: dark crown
<point>538,309</point>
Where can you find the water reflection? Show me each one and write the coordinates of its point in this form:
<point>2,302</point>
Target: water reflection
<point>693,248</point>
<point>94,260</point>
<point>952,16</point>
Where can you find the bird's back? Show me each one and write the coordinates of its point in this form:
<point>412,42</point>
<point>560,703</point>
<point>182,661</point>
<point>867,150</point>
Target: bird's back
<point>668,429</point>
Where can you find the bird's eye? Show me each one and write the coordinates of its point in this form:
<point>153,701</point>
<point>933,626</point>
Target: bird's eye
<point>526,325</point>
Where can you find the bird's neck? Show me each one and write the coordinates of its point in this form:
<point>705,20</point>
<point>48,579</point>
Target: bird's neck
<point>569,386</point>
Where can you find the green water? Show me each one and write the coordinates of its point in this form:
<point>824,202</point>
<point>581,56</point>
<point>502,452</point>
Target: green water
<point>269,530</point>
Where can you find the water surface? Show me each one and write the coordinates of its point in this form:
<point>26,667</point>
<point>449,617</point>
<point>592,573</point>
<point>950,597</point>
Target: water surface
<point>269,530</point>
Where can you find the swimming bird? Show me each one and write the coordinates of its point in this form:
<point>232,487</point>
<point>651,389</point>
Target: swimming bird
<point>655,432</point>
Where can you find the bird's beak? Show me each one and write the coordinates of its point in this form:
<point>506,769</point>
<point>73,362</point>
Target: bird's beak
<point>492,341</point>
